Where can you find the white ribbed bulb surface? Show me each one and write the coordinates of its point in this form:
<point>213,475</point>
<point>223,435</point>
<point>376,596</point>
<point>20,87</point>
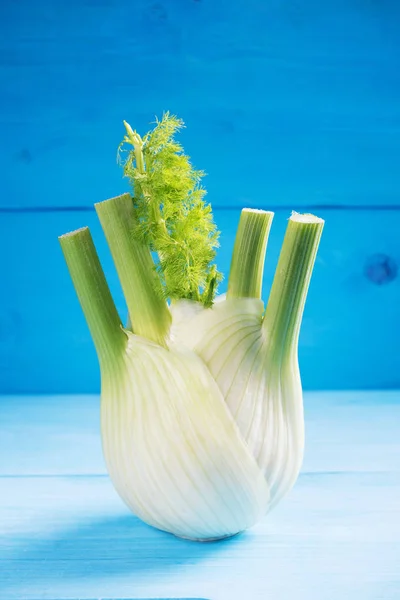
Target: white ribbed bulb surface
<point>202,439</point>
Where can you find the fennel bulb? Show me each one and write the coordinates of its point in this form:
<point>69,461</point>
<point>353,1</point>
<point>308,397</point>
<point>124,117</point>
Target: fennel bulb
<point>201,401</point>
<point>253,355</point>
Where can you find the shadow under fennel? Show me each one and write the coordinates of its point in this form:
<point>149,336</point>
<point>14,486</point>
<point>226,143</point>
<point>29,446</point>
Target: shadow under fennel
<point>105,547</point>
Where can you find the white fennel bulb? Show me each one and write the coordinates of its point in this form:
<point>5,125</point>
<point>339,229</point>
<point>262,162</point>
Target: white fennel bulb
<point>172,448</point>
<point>253,357</point>
<point>201,402</point>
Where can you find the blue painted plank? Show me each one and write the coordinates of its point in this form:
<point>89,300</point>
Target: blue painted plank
<point>336,535</point>
<point>288,103</point>
<point>351,325</point>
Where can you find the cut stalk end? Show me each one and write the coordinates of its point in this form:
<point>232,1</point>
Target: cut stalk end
<point>305,218</point>
<point>93,292</point>
<point>291,282</point>
<point>148,311</point>
<point>247,266</point>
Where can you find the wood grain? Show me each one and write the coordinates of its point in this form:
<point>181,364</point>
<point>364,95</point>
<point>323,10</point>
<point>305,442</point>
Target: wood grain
<point>288,103</point>
<point>66,534</point>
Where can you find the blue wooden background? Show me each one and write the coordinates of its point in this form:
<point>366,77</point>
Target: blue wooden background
<point>288,105</point>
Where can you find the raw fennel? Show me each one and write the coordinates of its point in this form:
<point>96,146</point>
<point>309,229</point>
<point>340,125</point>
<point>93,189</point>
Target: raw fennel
<point>201,401</point>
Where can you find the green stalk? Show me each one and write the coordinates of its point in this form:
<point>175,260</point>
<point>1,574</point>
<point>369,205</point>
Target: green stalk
<point>247,265</point>
<point>148,311</point>
<point>290,286</point>
<point>93,293</point>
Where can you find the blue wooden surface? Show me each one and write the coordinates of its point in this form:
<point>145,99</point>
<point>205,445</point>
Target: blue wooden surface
<point>288,104</point>
<point>66,534</point>
<point>291,102</point>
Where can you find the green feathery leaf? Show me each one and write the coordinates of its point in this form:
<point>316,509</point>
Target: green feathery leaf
<point>172,217</point>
